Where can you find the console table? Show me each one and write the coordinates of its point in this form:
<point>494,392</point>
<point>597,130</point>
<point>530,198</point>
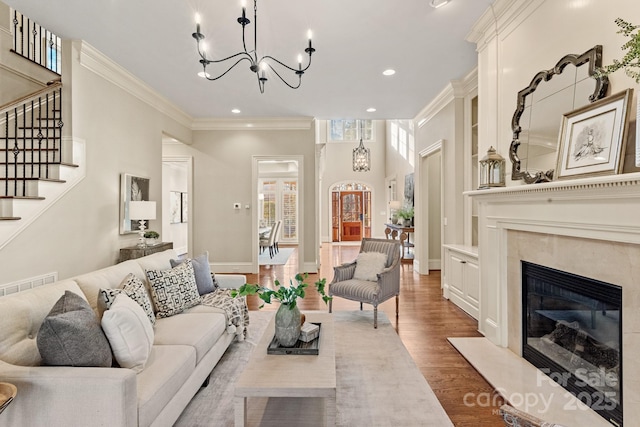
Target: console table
<point>407,250</point>
<point>134,252</point>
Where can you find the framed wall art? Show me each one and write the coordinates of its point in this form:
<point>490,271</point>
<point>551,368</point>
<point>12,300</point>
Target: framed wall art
<point>175,207</point>
<point>134,188</point>
<point>184,216</point>
<point>593,138</point>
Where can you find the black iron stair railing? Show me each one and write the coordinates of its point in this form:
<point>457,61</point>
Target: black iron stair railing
<point>31,146</point>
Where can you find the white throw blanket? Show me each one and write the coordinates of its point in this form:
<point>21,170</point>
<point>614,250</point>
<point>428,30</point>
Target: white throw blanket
<point>235,310</point>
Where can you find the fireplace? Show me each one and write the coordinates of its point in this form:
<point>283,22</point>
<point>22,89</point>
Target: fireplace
<point>572,331</point>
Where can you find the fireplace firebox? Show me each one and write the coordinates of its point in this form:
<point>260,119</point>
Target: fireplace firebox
<point>572,331</point>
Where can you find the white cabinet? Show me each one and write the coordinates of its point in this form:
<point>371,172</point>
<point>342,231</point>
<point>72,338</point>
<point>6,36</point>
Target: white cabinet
<point>461,277</point>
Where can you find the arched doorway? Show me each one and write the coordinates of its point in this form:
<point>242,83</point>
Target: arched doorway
<point>350,212</point>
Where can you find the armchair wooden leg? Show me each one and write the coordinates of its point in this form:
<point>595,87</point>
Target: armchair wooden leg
<point>330,305</point>
<point>375,317</point>
<point>397,306</point>
<point>360,306</point>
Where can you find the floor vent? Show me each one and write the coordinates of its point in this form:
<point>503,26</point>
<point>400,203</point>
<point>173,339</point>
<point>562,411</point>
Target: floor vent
<point>33,282</point>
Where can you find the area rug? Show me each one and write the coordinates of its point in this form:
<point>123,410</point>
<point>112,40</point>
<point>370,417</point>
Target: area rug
<point>378,384</point>
<point>280,258</point>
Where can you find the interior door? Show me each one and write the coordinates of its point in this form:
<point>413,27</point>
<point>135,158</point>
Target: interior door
<point>351,218</point>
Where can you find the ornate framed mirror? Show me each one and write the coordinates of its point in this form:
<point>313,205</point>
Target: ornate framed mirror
<point>539,110</point>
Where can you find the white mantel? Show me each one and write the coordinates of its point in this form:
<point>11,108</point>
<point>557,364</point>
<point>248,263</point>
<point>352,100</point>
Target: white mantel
<point>589,227</point>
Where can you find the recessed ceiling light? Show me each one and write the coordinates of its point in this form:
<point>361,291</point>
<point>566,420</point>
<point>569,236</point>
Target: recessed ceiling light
<point>438,3</point>
<point>235,111</point>
<point>371,110</point>
<point>389,72</point>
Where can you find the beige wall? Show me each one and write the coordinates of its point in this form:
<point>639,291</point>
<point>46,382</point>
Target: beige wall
<point>122,134</point>
<point>222,170</point>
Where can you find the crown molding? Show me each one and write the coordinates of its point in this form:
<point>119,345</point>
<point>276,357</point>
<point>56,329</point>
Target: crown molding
<point>258,123</point>
<point>94,60</point>
<point>455,89</point>
<point>500,15</point>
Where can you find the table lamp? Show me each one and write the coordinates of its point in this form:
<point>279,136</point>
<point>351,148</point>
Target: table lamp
<point>142,211</point>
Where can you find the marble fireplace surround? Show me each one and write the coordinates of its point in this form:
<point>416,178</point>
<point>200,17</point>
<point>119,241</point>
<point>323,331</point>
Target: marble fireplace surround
<point>590,227</point>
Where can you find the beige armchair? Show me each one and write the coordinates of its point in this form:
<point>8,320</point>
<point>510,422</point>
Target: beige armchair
<point>386,286</point>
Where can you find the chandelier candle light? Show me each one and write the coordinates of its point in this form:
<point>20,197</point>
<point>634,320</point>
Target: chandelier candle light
<point>361,156</point>
<point>258,66</point>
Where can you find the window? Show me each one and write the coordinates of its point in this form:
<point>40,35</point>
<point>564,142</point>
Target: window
<point>279,200</point>
<point>402,142</point>
<point>349,130</point>
<point>394,135</point>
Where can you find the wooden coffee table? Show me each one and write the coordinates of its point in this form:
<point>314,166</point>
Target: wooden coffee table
<point>304,376</point>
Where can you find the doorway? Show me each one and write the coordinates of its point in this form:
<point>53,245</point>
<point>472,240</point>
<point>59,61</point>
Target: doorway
<point>350,212</point>
<point>276,182</point>
<point>431,223</point>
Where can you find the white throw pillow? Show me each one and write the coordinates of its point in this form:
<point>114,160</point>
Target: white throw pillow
<point>368,265</point>
<point>129,332</point>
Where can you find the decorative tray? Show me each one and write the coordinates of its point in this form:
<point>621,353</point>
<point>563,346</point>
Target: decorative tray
<point>300,347</point>
<point>7,393</point>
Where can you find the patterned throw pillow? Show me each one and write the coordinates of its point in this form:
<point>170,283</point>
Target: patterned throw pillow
<point>174,290</point>
<point>134,289</point>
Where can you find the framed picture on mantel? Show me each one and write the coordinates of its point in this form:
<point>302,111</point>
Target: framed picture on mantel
<point>593,138</point>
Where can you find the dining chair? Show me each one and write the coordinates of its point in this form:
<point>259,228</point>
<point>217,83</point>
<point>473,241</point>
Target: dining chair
<point>276,241</point>
<point>269,241</point>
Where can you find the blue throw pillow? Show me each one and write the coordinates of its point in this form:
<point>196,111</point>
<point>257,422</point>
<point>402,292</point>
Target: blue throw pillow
<point>205,280</point>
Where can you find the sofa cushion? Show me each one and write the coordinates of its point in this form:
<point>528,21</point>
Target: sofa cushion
<point>21,316</point>
<point>70,335</point>
<point>106,278</point>
<point>368,265</point>
<point>129,332</point>
<point>205,280</point>
<point>167,370</point>
<point>133,287</point>
<point>173,290</point>
<point>199,330</point>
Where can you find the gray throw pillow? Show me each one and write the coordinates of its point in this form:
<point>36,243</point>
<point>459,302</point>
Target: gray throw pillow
<point>205,279</point>
<point>70,335</point>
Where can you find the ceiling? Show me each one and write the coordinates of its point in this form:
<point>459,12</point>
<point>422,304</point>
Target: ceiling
<point>355,42</point>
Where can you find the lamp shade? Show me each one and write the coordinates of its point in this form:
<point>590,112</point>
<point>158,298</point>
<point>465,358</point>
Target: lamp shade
<point>142,210</point>
<point>395,204</point>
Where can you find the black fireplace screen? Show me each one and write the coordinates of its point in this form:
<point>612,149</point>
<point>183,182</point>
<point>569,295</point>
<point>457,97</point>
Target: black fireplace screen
<point>572,331</point>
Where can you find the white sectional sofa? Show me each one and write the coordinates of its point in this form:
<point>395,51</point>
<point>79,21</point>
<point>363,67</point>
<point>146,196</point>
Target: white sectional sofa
<point>185,350</point>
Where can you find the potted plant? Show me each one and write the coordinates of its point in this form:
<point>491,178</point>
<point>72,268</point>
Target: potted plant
<point>631,60</point>
<point>288,317</point>
<point>406,213</point>
<point>151,237</point>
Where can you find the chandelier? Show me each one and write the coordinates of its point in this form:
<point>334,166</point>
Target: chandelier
<point>361,156</point>
<point>258,66</point>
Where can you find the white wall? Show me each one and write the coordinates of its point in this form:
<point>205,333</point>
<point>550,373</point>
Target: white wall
<point>337,168</point>
<point>80,233</point>
<point>533,36</point>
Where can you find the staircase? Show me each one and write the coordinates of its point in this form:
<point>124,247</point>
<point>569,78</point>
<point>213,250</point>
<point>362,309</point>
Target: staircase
<point>36,162</point>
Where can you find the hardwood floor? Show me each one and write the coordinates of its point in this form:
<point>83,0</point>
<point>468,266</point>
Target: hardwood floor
<point>426,320</point>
